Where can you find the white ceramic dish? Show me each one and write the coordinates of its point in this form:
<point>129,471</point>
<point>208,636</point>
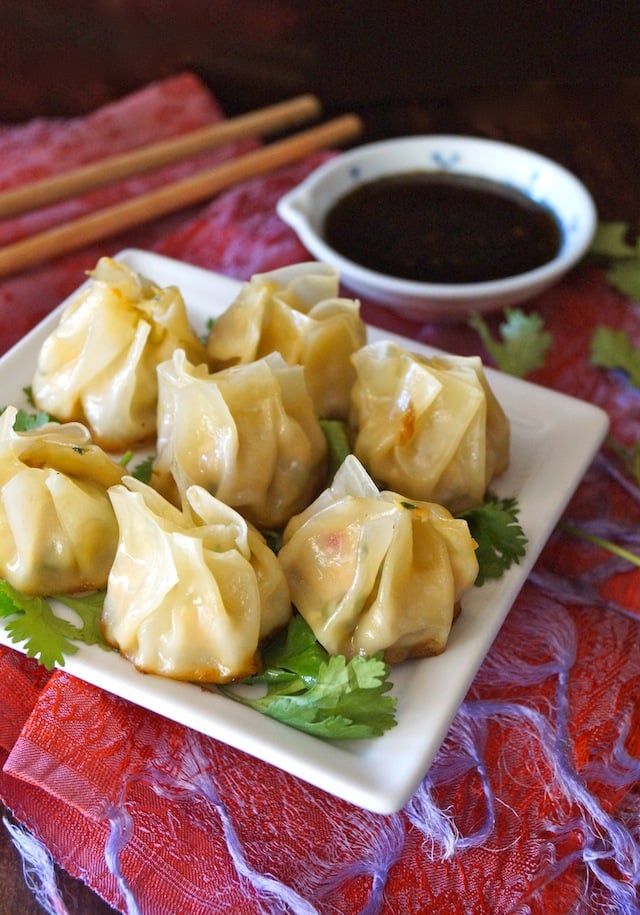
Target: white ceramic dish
<point>304,208</point>
<point>554,439</point>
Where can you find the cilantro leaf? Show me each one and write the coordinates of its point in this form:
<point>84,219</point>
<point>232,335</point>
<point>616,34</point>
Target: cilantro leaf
<point>346,701</point>
<point>209,325</point>
<point>612,349</point>
<point>623,270</point>
<point>142,471</point>
<point>524,344</point>
<point>325,696</point>
<point>28,393</point>
<point>501,542</point>
<point>25,421</point>
<point>45,636</point>
<point>624,275</point>
<point>292,653</point>
<point>335,433</point>
<point>89,609</point>
<point>610,242</point>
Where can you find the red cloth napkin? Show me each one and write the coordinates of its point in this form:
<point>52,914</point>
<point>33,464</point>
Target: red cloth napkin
<point>532,804</point>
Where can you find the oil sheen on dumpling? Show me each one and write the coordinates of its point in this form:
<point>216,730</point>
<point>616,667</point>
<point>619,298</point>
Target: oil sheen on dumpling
<point>370,571</point>
<point>192,592</point>
<point>58,532</point>
<point>430,428</point>
<point>248,434</point>
<point>297,312</point>
<point>98,366</point>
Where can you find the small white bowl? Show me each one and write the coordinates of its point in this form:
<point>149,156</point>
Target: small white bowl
<point>305,207</point>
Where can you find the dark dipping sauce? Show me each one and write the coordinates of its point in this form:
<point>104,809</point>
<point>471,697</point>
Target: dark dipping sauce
<point>438,227</point>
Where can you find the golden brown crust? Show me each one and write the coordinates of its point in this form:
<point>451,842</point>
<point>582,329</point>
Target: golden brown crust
<point>396,654</point>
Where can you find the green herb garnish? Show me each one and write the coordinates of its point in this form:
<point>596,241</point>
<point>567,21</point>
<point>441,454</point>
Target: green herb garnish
<point>325,696</point>
<point>142,471</point>
<point>523,345</point>
<point>46,636</point>
<point>28,393</point>
<point>495,527</point>
<point>209,325</point>
<point>25,421</point>
<point>612,349</point>
<point>335,433</point>
<point>623,270</point>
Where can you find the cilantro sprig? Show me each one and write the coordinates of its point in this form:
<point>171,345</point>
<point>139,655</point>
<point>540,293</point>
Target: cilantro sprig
<point>321,695</point>
<point>613,349</point>
<point>622,258</point>
<point>523,343</point>
<point>25,421</point>
<point>338,446</point>
<point>142,471</point>
<point>495,527</point>
<point>46,636</point>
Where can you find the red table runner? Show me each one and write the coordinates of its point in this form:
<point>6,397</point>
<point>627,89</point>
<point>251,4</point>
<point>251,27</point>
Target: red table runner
<point>533,802</point>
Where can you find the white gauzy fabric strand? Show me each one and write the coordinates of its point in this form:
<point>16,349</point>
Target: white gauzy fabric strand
<point>38,868</point>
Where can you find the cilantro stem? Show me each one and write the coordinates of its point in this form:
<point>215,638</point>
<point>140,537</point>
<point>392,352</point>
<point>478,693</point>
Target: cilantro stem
<point>608,545</point>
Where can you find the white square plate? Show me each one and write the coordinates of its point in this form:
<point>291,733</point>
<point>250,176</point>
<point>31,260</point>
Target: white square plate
<point>554,438</point>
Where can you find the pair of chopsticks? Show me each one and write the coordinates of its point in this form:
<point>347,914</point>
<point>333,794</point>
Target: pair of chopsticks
<point>176,195</point>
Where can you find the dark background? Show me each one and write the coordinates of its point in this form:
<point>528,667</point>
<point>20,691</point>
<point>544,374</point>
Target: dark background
<point>67,56</point>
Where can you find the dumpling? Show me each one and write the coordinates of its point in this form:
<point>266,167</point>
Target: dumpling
<point>370,571</point>
<point>248,434</point>
<point>98,366</point>
<point>192,591</point>
<point>58,532</point>
<point>295,311</point>
<point>430,428</point>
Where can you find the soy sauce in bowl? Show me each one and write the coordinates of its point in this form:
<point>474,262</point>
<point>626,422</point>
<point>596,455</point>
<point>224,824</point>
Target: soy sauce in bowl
<point>442,227</point>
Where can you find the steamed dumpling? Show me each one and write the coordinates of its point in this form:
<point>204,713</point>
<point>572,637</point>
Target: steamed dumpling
<point>297,312</point>
<point>192,592</point>
<point>248,434</point>
<point>58,532</point>
<point>370,571</point>
<point>430,428</point>
<point>98,366</point>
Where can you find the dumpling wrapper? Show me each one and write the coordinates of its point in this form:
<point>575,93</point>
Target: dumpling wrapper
<point>248,434</point>
<point>430,428</point>
<point>297,312</point>
<point>371,572</point>
<point>192,592</point>
<point>98,366</point>
<point>58,532</point>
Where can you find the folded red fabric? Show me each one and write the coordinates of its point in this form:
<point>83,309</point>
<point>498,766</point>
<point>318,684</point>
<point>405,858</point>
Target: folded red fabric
<point>532,803</point>
<point>40,148</point>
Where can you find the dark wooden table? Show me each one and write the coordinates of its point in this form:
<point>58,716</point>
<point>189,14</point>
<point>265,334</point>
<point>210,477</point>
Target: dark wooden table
<point>560,88</point>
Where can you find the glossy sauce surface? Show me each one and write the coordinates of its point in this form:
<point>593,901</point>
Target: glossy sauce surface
<point>439,227</point>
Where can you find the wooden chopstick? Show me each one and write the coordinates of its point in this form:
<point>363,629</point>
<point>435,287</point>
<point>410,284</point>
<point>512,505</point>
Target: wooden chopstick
<point>261,122</point>
<point>177,195</point>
